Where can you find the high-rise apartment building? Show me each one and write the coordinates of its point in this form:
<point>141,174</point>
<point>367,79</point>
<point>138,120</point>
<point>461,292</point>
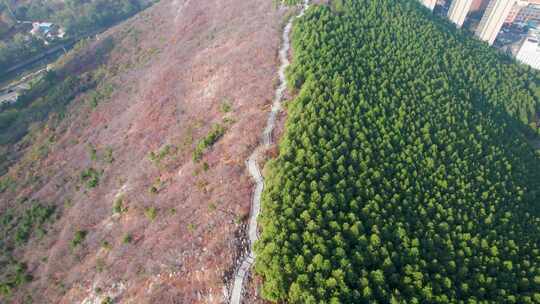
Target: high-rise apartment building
<point>459,10</point>
<point>479,5</point>
<point>529,13</point>
<point>429,3</point>
<point>493,19</point>
<point>518,6</point>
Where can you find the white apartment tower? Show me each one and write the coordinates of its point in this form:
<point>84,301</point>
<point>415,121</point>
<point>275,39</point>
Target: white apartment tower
<point>429,4</point>
<point>459,10</point>
<point>493,19</point>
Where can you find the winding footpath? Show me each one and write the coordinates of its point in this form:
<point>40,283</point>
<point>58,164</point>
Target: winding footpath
<point>253,166</point>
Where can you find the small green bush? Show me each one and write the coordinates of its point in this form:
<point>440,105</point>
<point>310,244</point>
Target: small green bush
<point>153,190</point>
<point>127,238</point>
<point>91,177</point>
<point>118,205</point>
<point>106,245</point>
<point>14,275</point>
<point>157,156</point>
<point>225,107</point>
<point>191,227</point>
<point>6,183</point>
<point>78,238</point>
<point>109,158</point>
<point>107,300</point>
<point>100,265</point>
<point>151,213</point>
<point>215,134</point>
<point>157,186</point>
<point>92,152</point>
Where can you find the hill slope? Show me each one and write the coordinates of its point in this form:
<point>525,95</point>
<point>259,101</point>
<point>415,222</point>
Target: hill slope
<point>138,190</point>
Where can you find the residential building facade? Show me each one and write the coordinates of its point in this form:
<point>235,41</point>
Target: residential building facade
<point>430,4</point>
<point>478,5</point>
<point>458,11</point>
<point>493,19</point>
<point>516,10</point>
<point>529,13</point>
<point>529,53</point>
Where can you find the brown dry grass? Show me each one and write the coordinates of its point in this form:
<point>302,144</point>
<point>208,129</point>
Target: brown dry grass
<point>172,67</point>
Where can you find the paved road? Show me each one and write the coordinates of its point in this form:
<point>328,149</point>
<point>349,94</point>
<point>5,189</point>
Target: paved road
<point>12,91</point>
<point>8,98</point>
<point>253,166</point>
<point>38,57</point>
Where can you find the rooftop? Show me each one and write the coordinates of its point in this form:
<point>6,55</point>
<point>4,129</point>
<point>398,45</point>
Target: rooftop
<point>530,52</point>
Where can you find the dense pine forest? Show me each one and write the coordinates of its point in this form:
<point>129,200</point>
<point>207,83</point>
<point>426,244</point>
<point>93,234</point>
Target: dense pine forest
<point>404,174</point>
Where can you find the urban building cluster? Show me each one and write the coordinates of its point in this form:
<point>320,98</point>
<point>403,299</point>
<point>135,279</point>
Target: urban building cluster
<point>47,31</point>
<point>498,17</point>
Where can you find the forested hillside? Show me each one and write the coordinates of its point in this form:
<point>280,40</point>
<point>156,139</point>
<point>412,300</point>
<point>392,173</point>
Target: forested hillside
<point>404,174</point>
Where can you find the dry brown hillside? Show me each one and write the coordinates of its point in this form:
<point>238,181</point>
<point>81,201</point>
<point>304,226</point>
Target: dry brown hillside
<point>137,219</point>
